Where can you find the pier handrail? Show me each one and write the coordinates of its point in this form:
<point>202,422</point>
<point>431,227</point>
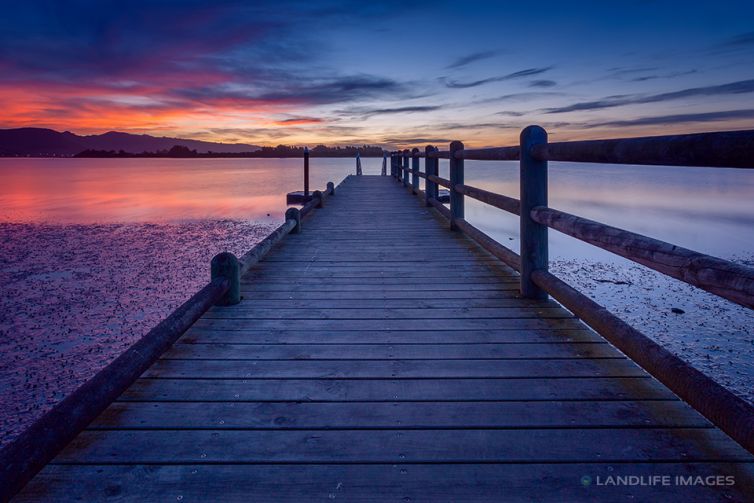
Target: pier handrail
<point>37,445</point>
<point>735,282</point>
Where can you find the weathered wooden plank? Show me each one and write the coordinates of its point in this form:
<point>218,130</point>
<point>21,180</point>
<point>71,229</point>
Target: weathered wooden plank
<point>252,313</point>
<point>386,336</point>
<point>390,324</point>
<point>397,415</point>
<point>387,286</point>
<point>388,351</point>
<point>486,282</point>
<point>393,390</point>
<point>415,303</point>
<point>346,265</point>
<point>439,275</point>
<point>402,446</point>
<point>376,369</point>
<point>379,294</point>
<point>297,267</point>
<point>378,483</point>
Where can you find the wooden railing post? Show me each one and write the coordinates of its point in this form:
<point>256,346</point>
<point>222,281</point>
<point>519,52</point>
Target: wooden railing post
<point>533,179</point>
<point>306,173</point>
<point>430,167</point>
<point>225,265</point>
<point>456,178</point>
<point>405,168</point>
<point>415,170</point>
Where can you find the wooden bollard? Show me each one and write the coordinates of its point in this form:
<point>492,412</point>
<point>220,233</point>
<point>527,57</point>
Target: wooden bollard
<point>415,170</point>
<point>534,246</point>
<point>456,178</point>
<point>294,214</point>
<point>225,265</point>
<point>318,196</point>
<point>430,167</point>
<point>330,188</point>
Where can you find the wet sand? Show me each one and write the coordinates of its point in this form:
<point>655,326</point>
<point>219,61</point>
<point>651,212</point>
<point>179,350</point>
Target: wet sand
<point>713,334</point>
<point>73,297</point>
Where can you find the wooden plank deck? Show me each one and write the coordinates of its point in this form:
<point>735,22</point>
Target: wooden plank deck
<point>378,356</point>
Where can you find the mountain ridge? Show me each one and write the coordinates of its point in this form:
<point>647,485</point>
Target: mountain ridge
<point>32,141</point>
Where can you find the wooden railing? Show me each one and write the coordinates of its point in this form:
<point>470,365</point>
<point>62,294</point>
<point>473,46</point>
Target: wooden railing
<point>28,453</point>
<point>726,279</point>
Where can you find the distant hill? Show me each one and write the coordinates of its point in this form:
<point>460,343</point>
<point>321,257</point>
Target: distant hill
<point>46,142</point>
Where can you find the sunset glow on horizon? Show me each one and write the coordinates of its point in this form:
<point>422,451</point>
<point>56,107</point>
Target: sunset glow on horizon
<point>386,74</point>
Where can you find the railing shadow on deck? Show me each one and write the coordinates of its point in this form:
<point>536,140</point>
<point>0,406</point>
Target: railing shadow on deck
<point>732,149</point>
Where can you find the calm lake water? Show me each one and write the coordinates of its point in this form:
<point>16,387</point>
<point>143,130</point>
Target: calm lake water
<point>705,209</point>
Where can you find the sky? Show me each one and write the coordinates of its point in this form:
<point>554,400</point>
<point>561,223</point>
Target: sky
<point>392,73</point>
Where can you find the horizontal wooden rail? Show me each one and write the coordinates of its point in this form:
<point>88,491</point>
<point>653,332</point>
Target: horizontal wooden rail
<point>730,149</point>
<point>490,154</point>
<point>500,201</point>
<point>730,413</point>
<point>28,453</point>
<point>444,211</point>
<point>734,282</point>
<point>439,181</point>
<point>500,251</point>
<point>439,154</point>
<point>254,255</point>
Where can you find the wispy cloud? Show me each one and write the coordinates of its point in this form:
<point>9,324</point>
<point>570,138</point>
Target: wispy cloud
<point>517,97</point>
<point>543,83</point>
<point>742,40</point>
<point>366,112</point>
<point>740,87</point>
<point>678,119</point>
<point>670,75</point>
<point>471,58</point>
<point>529,72</point>
<point>402,110</point>
<point>298,121</point>
<point>410,140</point>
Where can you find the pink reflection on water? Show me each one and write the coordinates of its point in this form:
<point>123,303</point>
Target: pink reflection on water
<point>152,190</point>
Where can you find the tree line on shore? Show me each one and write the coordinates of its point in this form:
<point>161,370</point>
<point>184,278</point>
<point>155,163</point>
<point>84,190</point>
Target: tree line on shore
<point>180,151</point>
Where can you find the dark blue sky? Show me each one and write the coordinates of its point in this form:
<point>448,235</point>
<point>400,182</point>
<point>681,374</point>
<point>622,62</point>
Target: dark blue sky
<point>387,72</point>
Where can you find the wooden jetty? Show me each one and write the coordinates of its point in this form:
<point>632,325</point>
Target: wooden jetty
<point>379,353</point>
